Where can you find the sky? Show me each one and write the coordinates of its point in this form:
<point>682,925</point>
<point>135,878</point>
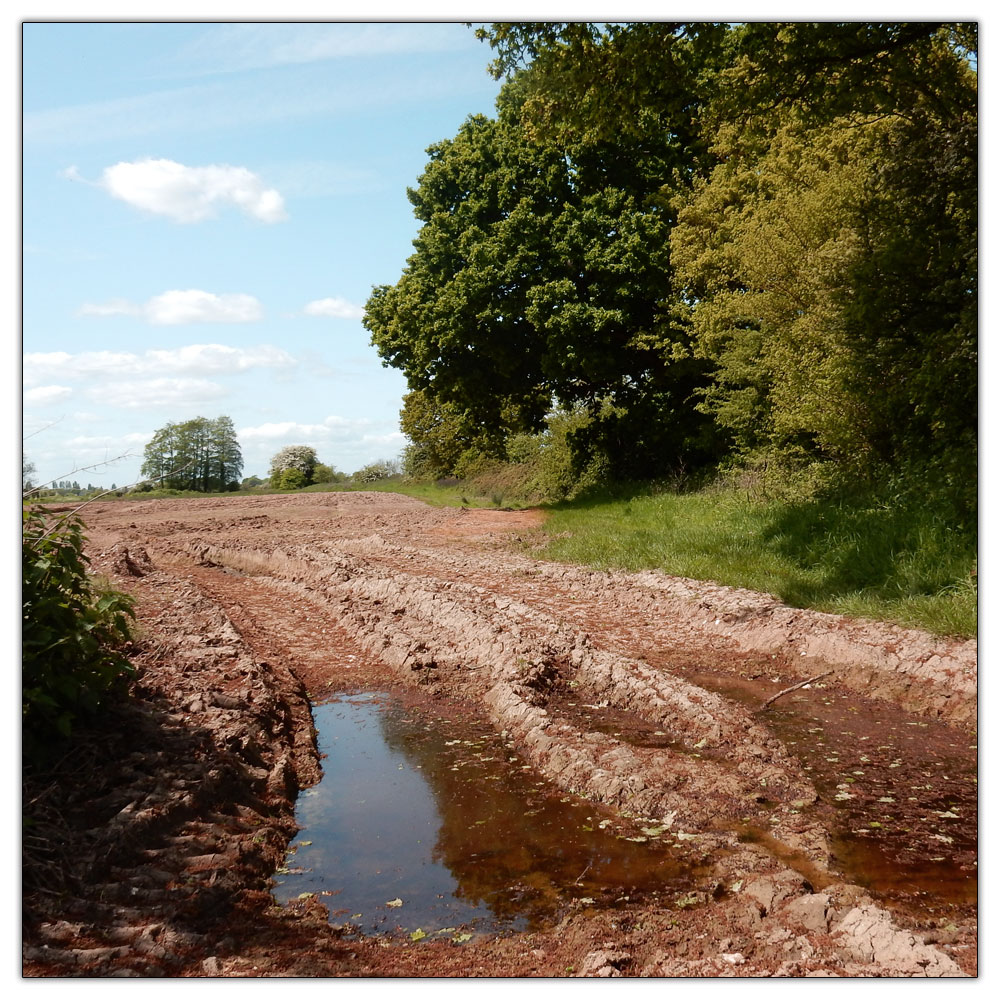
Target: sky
<point>206,208</point>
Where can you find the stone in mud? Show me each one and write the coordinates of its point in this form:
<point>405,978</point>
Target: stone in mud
<point>868,935</point>
<point>769,890</point>
<point>603,965</point>
<point>810,911</point>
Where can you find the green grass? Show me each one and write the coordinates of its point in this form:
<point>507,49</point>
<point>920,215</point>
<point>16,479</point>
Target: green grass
<point>901,563</point>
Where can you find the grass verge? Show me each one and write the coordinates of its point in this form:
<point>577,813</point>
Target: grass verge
<point>890,562</point>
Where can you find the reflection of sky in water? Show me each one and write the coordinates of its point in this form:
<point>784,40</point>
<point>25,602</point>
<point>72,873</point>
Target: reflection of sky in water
<point>447,818</point>
<point>372,822</point>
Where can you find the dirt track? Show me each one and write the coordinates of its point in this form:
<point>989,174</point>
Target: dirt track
<point>251,606</point>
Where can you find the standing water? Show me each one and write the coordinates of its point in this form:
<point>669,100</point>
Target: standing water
<point>425,824</point>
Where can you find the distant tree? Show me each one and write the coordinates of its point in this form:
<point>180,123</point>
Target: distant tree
<point>294,456</point>
<point>251,481</point>
<point>289,479</point>
<point>199,454</point>
<point>373,472</point>
<point>28,473</point>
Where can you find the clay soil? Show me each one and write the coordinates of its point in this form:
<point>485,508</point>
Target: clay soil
<point>830,833</point>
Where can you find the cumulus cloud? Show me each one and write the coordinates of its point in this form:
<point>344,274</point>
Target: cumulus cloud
<point>334,307</point>
<point>44,394</point>
<point>192,194</point>
<point>144,393</point>
<point>330,429</point>
<point>194,360</point>
<point>350,442</point>
<point>178,307</point>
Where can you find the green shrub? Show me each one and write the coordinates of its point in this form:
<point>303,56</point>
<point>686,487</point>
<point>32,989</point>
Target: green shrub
<point>289,479</point>
<point>375,471</point>
<point>73,631</point>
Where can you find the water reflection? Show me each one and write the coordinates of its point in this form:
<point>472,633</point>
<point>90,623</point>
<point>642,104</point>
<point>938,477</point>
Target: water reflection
<point>446,818</point>
<point>902,790</point>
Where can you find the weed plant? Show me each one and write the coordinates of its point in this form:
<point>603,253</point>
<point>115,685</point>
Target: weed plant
<point>73,630</point>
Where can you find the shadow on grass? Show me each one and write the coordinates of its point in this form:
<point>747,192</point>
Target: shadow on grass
<point>861,545</point>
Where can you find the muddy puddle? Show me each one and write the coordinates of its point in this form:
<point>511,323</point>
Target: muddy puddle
<point>901,792</point>
<point>427,825</point>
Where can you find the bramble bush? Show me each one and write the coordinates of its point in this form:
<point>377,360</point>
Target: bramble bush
<point>73,632</point>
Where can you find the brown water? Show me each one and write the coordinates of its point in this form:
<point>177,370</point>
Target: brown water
<point>424,824</point>
<point>902,791</point>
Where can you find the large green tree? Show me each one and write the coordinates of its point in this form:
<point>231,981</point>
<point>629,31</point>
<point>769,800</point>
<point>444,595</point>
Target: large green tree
<point>758,236</point>
<point>828,261</point>
<point>826,252</point>
<point>200,454</point>
<point>541,277</point>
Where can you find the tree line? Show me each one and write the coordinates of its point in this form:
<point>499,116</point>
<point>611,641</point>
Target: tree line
<point>204,456</point>
<point>708,244</point>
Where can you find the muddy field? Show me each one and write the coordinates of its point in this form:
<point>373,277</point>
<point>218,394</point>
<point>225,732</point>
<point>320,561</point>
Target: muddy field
<point>831,831</point>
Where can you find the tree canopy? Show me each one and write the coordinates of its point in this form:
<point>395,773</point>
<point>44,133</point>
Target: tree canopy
<point>753,241</point>
<point>293,467</point>
<point>200,454</point>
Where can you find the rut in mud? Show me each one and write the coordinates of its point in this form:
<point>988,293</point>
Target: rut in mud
<point>638,693</point>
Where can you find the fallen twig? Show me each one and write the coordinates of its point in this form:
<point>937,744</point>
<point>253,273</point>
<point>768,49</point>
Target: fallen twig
<point>794,687</point>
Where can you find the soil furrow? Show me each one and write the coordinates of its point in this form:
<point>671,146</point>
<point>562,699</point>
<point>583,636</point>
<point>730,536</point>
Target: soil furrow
<point>622,688</point>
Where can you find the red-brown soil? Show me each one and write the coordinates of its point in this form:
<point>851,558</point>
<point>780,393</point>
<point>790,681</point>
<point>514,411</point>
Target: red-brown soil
<point>153,842</point>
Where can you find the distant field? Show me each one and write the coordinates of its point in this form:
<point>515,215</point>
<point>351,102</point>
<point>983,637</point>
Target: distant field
<point>902,564</point>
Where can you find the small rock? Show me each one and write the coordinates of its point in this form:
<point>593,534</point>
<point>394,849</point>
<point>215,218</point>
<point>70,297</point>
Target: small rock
<point>212,966</point>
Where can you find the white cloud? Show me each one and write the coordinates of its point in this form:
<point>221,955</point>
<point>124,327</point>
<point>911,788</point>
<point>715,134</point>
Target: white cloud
<point>102,442</point>
<point>194,359</point>
<point>335,308</point>
<point>240,47</point>
<point>332,428</point>
<point>192,194</point>
<point>347,442</point>
<point>144,393</point>
<point>177,307</point>
<point>44,394</point>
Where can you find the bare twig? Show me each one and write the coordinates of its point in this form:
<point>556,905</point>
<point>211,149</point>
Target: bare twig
<point>45,428</point>
<point>83,468</point>
<point>98,496</point>
<point>794,687</point>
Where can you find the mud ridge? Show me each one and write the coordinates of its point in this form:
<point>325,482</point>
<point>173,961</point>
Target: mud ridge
<point>509,657</point>
<point>173,822</point>
<point>925,674</point>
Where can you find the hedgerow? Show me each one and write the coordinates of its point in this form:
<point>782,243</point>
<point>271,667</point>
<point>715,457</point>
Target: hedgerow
<point>73,632</point>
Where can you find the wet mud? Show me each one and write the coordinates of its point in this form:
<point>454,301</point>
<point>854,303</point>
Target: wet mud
<point>832,832</point>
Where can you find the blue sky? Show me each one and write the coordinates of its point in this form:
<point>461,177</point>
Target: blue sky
<point>206,207</point>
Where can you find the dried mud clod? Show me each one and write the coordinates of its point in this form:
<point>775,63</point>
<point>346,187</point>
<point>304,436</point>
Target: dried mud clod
<point>152,852</point>
<point>166,819</point>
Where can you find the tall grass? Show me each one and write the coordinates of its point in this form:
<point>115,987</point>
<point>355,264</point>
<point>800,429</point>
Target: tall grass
<point>898,561</point>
